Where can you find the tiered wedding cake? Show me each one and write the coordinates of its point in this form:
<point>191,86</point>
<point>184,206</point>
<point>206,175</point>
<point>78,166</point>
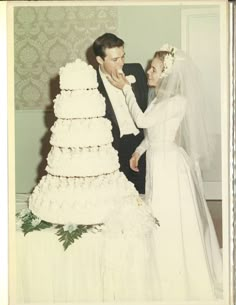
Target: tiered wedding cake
<point>84,184</point>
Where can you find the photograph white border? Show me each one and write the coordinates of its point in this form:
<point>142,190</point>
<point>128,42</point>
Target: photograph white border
<point>8,142</point>
<point>3,158</point>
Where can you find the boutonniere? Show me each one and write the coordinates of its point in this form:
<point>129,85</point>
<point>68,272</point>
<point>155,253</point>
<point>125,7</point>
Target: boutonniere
<point>131,79</point>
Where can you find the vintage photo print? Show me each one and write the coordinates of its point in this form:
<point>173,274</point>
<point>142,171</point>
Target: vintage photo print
<point>120,153</point>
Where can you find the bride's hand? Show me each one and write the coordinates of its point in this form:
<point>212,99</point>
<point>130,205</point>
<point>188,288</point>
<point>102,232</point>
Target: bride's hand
<point>133,162</point>
<point>117,79</point>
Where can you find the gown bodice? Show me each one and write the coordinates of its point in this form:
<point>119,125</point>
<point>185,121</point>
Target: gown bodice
<point>166,124</point>
<point>161,120</point>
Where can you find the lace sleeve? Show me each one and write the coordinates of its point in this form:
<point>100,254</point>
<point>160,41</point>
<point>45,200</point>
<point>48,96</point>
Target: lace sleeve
<point>152,114</point>
<point>143,146</point>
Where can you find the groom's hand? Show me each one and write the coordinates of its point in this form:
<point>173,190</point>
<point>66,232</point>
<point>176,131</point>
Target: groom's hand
<point>133,162</point>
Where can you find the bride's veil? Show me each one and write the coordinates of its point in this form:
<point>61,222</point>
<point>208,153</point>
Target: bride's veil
<point>183,78</point>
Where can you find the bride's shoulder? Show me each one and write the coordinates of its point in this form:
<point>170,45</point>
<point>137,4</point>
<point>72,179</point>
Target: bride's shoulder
<point>179,99</point>
<point>176,100</point>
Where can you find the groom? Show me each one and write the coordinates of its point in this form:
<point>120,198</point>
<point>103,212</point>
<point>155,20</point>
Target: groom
<point>110,55</point>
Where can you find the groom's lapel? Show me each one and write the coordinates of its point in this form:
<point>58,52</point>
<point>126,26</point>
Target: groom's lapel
<point>140,88</point>
<point>110,114</point>
<point>128,71</point>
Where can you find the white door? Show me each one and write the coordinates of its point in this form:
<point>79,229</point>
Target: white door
<point>200,37</point>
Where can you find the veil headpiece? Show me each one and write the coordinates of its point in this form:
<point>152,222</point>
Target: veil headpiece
<point>168,60</point>
<point>180,77</point>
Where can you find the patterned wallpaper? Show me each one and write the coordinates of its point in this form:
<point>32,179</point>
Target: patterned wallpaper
<point>45,38</point>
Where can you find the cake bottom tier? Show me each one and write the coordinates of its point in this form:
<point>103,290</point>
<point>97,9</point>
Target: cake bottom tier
<point>91,200</point>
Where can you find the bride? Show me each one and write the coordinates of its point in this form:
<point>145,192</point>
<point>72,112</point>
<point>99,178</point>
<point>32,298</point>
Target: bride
<point>176,145</point>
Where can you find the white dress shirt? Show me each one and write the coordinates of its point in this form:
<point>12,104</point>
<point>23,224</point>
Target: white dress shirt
<point>117,98</point>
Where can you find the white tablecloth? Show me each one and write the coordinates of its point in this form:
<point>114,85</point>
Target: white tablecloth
<point>89,270</point>
<point>47,273</point>
<point>94,268</point>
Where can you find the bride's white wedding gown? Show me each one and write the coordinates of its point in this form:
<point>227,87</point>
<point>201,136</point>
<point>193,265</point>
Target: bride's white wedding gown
<point>187,251</point>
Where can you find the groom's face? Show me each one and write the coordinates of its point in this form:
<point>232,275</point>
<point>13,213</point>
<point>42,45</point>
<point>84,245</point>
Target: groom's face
<point>113,60</point>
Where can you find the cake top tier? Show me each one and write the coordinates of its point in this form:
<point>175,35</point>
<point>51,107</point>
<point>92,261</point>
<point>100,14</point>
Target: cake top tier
<point>78,75</point>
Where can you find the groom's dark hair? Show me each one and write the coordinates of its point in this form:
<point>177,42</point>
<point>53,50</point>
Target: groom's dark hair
<point>106,41</point>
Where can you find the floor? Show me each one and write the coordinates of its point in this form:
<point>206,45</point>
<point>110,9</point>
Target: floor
<point>215,208</point>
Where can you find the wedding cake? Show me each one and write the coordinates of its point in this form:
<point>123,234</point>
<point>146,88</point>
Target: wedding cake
<point>83,184</point>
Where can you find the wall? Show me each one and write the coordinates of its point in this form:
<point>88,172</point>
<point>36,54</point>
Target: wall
<point>46,38</point>
<point>144,29</point>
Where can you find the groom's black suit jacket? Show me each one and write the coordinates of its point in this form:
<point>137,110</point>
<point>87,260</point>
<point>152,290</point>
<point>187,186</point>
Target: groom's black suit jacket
<point>128,143</point>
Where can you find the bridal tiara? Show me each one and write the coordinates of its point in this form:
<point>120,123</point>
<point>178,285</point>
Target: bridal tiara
<point>169,59</point>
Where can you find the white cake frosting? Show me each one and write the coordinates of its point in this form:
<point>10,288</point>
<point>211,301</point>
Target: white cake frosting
<point>82,162</point>
<point>79,104</point>
<point>84,184</point>
<point>88,200</point>
<point>78,75</point>
<point>81,133</point>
